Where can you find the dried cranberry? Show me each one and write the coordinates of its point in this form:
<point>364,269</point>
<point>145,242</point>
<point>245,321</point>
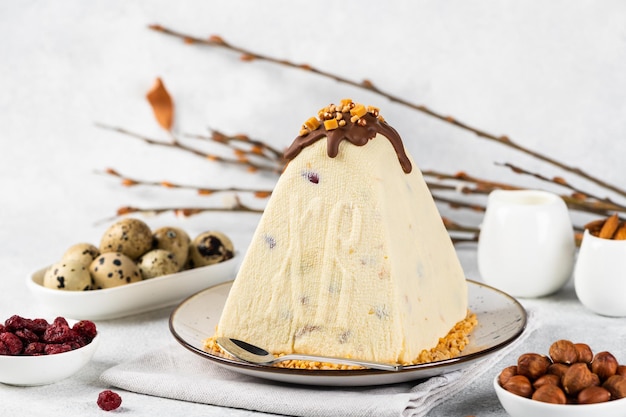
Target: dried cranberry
<point>60,321</point>
<point>109,400</point>
<point>16,322</point>
<point>39,326</point>
<point>13,343</point>
<point>4,350</point>
<point>35,348</point>
<point>53,348</point>
<point>2,328</point>
<point>86,329</point>
<point>59,332</point>
<point>76,344</point>
<point>27,336</point>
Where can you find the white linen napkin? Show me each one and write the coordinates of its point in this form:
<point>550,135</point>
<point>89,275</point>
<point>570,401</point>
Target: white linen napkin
<point>176,373</point>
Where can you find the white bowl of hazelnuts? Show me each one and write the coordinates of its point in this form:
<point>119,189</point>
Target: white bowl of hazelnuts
<point>571,381</point>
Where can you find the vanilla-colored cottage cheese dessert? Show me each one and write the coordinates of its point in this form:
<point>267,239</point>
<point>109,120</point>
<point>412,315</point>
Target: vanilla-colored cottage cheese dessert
<point>351,257</point>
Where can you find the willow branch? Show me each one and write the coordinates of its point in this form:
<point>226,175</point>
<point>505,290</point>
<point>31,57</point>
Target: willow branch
<point>579,193</point>
<point>241,161</point>
<point>253,147</point>
<point>481,185</point>
<point>205,191</point>
<point>249,55</point>
<point>456,204</point>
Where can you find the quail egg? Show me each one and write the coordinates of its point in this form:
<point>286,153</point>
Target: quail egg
<point>174,240</point>
<point>68,275</point>
<point>210,248</point>
<point>157,262</point>
<point>129,236</point>
<point>112,269</point>
<point>82,252</point>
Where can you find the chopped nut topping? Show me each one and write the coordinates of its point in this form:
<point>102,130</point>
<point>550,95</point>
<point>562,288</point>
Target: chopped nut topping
<point>337,116</point>
<point>331,124</point>
<point>345,102</point>
<point>349,121</point>
<point>312,123</point>
<point>359,110</point>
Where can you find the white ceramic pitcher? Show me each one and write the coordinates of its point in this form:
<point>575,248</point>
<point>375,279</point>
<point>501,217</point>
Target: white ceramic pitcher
<point>526,245</point>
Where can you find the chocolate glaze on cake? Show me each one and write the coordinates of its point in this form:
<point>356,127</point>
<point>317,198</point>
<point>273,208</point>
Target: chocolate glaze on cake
<point>358,130</point>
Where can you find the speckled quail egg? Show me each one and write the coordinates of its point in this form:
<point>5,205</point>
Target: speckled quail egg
<point>68,275</point>
<point>156,263</point>
<point>85,253</point>
<point>174,240</point>
<point>112,269</point>
<point>209,248</point>
<point>129,236</point>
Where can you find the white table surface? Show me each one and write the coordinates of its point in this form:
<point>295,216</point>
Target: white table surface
<point>549,75</point>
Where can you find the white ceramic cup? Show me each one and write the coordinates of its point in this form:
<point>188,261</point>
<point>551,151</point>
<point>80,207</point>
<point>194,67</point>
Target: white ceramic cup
<point>526,245</point>
<point>600,275</point>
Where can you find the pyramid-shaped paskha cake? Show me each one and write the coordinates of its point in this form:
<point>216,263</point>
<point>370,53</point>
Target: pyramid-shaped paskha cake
<point>351,257</point>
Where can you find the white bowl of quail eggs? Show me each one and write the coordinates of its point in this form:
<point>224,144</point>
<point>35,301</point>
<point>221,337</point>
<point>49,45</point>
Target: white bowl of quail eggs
<point>133,270</point>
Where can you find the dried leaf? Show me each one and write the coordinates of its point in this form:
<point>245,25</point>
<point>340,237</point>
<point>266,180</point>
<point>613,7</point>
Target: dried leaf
<point>162,105</point>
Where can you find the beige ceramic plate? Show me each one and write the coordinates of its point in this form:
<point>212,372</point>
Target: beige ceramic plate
<point>501,320</point>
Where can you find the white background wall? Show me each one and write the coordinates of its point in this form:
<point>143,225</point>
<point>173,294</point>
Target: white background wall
<point>550,75</point>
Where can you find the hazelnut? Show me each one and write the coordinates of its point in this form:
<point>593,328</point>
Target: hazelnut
<point>604,365</point>
<point>533,365</point>
<point>577,378</point>
<point>616,385</point>
<point>584,353</point>
<point>621,370</point>
<point>506,374</point>
<point>558,369</point>
<point>547,379</point>
<point>550,394</point>
<point>563,351</point>
<point>593,395</point>
<point>519,385</point>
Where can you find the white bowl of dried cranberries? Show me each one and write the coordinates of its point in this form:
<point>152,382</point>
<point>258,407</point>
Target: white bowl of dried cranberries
<point>571,381</point>
<point>38,352</point>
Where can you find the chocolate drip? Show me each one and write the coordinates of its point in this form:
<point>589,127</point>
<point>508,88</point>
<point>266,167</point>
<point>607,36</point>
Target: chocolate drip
<point>356,134</point>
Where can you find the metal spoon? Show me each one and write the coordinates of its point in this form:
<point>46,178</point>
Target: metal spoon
<point>254,354</point>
